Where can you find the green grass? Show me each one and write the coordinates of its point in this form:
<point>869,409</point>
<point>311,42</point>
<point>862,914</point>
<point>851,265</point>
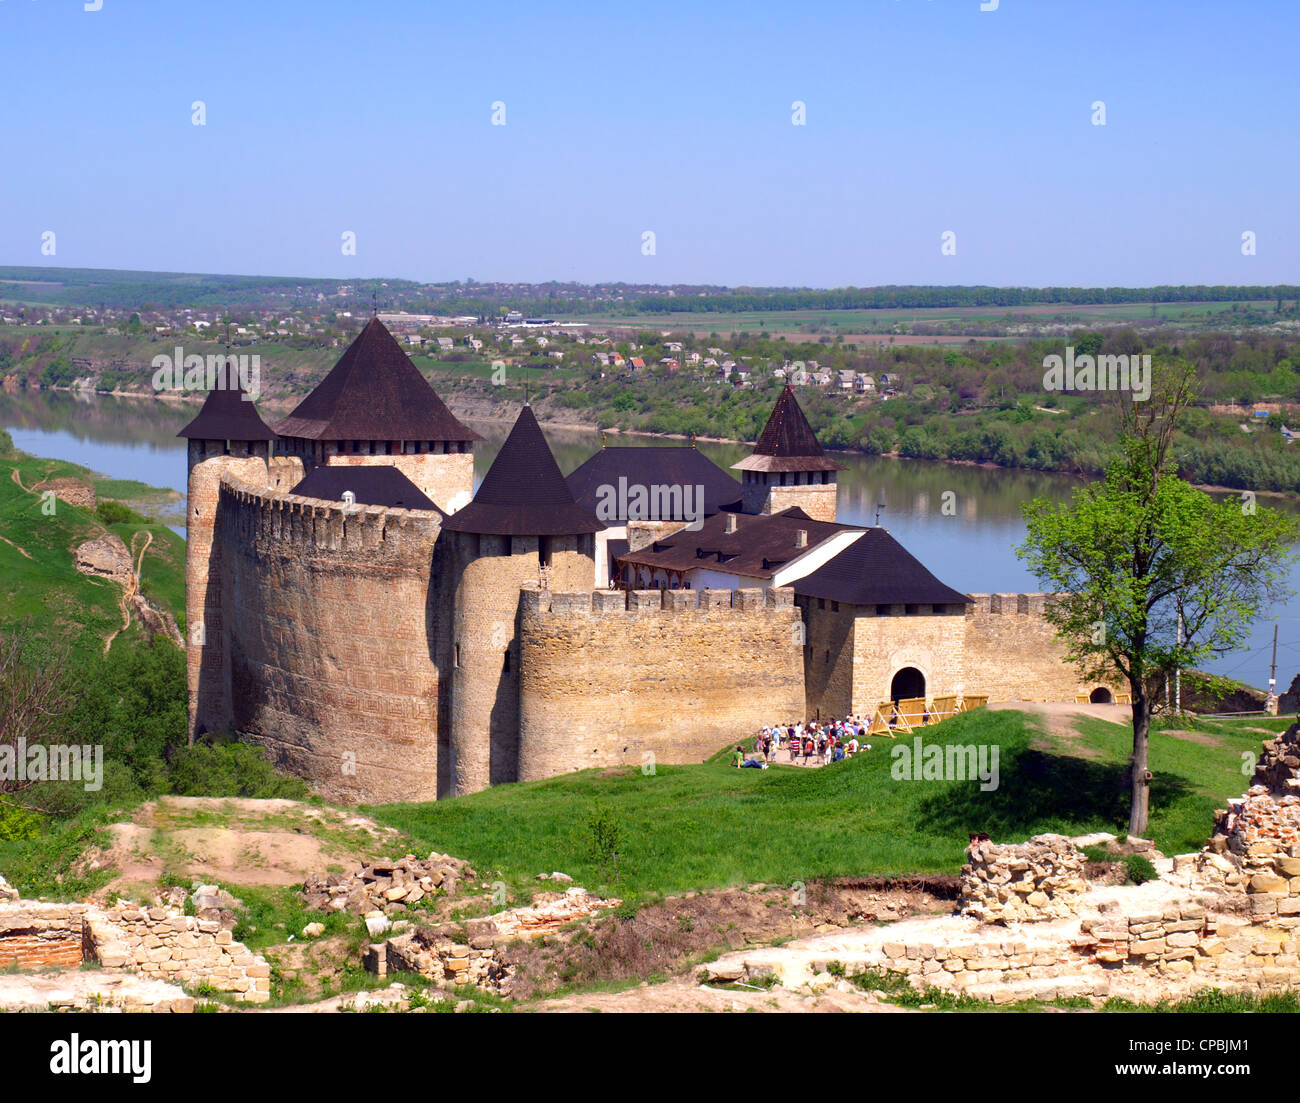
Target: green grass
<point>1193,776</point>
<point>45,587</point>
<point>696,827</point>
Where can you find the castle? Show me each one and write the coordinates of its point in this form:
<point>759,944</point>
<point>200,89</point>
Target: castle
<point>354,607</point>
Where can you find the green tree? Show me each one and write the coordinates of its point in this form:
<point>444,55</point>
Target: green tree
<point>1153,574</point>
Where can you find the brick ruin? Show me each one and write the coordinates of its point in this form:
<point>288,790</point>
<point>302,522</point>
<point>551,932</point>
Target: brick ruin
<point>159,944</point>
<point>1028,927</point>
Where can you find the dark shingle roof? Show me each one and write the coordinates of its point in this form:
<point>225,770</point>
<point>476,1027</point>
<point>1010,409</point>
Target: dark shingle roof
<point>762,544</point>
<point>787,442</point>
<point>877,570</point>
<point>523,493</point>
<point>228,414</point>
<point>648,467</point>
<point>373,485</point>
<point>374,392</point>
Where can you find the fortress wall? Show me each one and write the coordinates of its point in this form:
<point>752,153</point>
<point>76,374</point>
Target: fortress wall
<point>331,652</point>
<point>485,659</point>
<point>1013,654</point>
<point>934,642</point>
<point>828,659</point>
<point>610,675</point>
<point>207,651</point>
<point>446,479</point>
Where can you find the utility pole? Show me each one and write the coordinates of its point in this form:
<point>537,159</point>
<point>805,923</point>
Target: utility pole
<point>1272,670</point>
<point>1178,670</point>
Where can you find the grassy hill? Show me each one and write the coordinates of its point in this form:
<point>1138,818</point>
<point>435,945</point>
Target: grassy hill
<point>38,579</point>
<point>697,827</point>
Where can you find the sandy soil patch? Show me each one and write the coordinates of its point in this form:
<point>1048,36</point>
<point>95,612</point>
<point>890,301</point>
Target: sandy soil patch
<point>237,840</point>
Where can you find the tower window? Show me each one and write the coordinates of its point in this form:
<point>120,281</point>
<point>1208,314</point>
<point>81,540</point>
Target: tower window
<point>505,665</point>
<point>457,659</point>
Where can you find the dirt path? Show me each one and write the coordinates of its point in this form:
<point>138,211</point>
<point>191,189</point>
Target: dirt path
<point>686,995</point>
<point>127,596</point>
<point>20,550</point>
<point>1059,720</point>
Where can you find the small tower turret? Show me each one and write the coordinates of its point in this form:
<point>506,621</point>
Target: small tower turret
<point>227,436</point>
<point>523,526</point>
<point>788,467</point>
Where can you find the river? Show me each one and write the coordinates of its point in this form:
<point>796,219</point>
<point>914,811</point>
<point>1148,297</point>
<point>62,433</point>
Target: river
<point>969,546</point>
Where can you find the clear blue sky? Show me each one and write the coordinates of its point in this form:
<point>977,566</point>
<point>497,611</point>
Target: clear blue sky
<point>922,116</point>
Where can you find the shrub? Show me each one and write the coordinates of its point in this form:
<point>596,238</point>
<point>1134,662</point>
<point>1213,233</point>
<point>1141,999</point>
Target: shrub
<point>1139,869</point>
<point>230,770</point>
<point>115,513</point>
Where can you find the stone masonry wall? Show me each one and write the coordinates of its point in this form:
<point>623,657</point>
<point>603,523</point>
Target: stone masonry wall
<point>485,660</point>
<point>159,943</point>
<point>611,675</point>
<point>1012,653</point>
<point>828,659</point>
<point>446,479</point>
<point>1019,883</point>
<point>818,500</point>
<point>164,944</point>
<point>883,645</point>
<point>38,936</point>
<point>333,632</point>
<point>207,653</point>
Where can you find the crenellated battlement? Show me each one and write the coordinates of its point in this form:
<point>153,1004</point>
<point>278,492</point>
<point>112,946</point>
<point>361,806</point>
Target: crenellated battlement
<point>535,601</point>
<point>276,516</point>
<point>1021,604</point>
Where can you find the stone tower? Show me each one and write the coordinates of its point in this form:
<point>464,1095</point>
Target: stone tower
<point>523,526</point>
<point>227,437</point>
<point>788,467</point>
<point>375,408</point>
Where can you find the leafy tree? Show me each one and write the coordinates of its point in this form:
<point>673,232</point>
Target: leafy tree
<point>1154,574</point>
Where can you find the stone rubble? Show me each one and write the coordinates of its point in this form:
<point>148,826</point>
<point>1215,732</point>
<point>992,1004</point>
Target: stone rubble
<point>1041,879</point>
<point>387,887</point>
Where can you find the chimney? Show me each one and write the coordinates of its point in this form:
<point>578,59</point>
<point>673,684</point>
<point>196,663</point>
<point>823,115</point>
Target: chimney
<point>801,538</point>
<point>731,522</point>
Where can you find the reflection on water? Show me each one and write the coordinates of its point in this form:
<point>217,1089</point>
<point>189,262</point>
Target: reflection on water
<point>970,547</point>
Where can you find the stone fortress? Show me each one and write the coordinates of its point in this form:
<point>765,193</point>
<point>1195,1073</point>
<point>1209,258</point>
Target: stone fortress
<point>357,609</point>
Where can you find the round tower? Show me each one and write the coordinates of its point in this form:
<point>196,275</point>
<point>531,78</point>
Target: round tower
<point>788,467</point>
<point>374,408</point>
<point>227,436</point>
<point>523,526</point>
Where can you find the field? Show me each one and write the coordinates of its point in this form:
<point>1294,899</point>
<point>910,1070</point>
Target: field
<point>709,826</point>
<point>863,323</point>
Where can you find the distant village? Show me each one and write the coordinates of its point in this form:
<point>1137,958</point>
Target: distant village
<point>513,338</point>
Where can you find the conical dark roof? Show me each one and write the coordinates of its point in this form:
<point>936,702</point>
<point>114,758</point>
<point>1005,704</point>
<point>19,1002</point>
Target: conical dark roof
<point>787,442</point>
<point>523,493</point>
<point>228,414</point>
<point>374,392</point>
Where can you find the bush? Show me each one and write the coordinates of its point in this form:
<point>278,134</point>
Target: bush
<point>115,513</point>
<point>6,443</point>
<point>230,770</point>
<point>1140,869</point>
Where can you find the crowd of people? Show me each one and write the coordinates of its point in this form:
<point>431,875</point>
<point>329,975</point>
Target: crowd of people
<point>831,741</point>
